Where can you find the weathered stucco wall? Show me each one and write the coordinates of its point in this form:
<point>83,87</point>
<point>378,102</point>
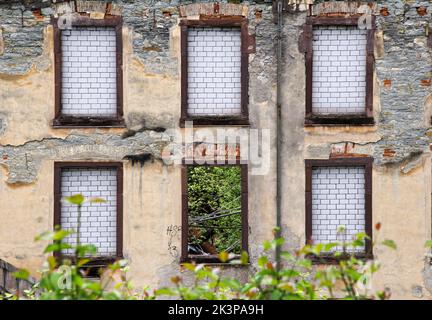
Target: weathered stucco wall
<point>399,142</point>
<point>152,195</point>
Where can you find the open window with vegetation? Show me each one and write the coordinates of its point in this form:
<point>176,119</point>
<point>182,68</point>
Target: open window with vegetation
<point>214,212</point>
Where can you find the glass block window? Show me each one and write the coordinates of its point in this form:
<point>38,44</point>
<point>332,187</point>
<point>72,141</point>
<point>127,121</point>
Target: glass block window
<point>89,72</point>
<point>338,200</point>
<point>214,71</point>
<point>339,70</point>
<point>98,220</point>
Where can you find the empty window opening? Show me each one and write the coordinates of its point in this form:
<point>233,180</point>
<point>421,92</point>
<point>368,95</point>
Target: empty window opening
<point>216,211</point>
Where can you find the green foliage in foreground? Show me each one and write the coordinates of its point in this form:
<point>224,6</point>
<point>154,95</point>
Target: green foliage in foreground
<point>295,279</point>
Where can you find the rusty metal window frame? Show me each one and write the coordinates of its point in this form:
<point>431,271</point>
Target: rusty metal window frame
<point>58,166</point>
<point>62,121</point>
<point>247,47</point>
<point>367,163</point>
<point>185,257</point>
<point>313,119</point>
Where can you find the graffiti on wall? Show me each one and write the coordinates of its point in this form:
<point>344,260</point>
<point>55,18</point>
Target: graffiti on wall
<point>174,236</point>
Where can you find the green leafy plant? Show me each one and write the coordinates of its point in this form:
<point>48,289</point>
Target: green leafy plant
<point>294,277</point>
<point>66,279</point>
<point>297,278</point>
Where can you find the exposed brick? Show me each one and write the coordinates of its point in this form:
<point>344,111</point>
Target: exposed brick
<point>258,14</point>
<point>97,15</point>
<point>387,83</point>
<point>426,82</point>
<point>389,152</point>
<point>228,9</point>
<point>384,12</point>
<point>422,11</point>
<point>37,13</point>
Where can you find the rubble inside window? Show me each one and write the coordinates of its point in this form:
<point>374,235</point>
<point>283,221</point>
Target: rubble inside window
<point>214,210</point>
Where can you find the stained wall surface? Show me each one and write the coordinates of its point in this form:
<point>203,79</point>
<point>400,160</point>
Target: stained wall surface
<point>399,141</point>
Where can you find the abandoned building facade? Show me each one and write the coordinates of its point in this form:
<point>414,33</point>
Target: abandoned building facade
<point>111,99</point>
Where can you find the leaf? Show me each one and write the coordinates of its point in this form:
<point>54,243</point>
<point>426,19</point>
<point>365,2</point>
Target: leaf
<point>92,286</point>
<point>276,230</point>
<point>361,236</point>
<point>82,262</point>
<point>51,262</point>
<point>429,244</point>
<point>290,273</point>
<point>278,242</point>
<point>341,229</point>
<point>390,243</point>
<point>286,287</point>
<point>44,236</point>
<point>223,256</point>
<point>84,250</point>
<point>317,249</point>
<point>262,261</point>
<point>60,235</point>
<point>329,246</point>
<point>287,256</point>
<point>115,266</point>
<point>267,245</point>
<point>165,292</point>
<point>56,247</point>
<point>77,199</point>
<point>244,258</point>
<point>57,235</point>
<point>305,263</point>
<point>22,274</point>
<point>189,266</point>
<point>358,243</point>
<point>97,200</point>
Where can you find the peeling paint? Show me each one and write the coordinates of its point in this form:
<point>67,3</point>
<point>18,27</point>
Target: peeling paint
<point>22,162</point>
<point>399,142</point>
